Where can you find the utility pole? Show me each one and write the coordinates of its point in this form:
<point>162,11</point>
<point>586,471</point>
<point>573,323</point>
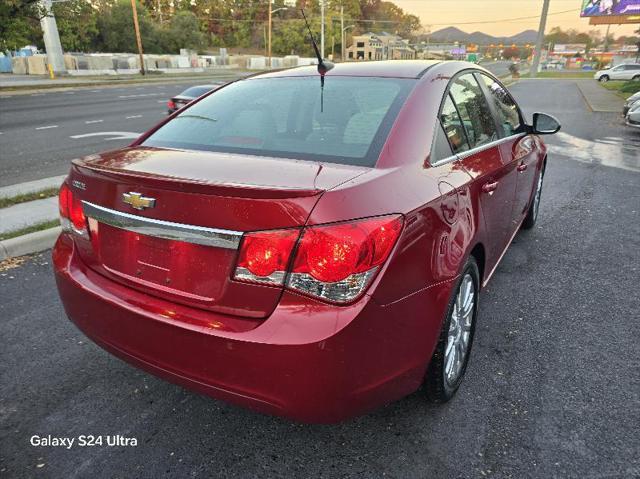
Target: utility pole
<point>342,33</point>
<point>322,28</point>
<point>138,39</point>
<point>606,40</point>
<point>51,38</point>
<point>539,40</point>
<point>269,35</point>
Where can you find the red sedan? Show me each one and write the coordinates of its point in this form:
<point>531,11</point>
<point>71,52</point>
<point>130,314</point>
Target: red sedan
<point>306,248</point>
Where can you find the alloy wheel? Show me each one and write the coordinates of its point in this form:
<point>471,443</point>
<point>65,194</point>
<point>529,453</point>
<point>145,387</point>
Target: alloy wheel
<point>458,338</point>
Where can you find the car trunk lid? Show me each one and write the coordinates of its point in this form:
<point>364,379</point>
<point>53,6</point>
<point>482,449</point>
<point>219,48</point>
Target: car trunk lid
<point>169,222</point>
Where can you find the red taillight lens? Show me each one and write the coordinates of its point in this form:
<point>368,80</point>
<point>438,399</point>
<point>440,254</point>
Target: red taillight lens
<point>71,214</point>
<point>334,262</point>
<point>337,262</point>
<point>63,201</point>
<point>171,105</point>
<point>264,256</point>
<point>77,215</point>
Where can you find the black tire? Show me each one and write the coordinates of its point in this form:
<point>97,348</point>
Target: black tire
<point>636,78</point>
<point>437,386</point>
<point>603,79</point>
<point>532,215</point>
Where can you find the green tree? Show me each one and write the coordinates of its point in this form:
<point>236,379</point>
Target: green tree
<point>77,24</point>
<point>183,32</point>
<point>116,31</point>
<point>19,23</point>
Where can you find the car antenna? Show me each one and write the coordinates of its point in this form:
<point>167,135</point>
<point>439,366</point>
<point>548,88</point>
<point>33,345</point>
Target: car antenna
<point>323,66</point>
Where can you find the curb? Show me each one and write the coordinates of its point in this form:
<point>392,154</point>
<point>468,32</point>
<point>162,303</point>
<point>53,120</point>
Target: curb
<point>17,90</point>
<point>28,187</point>
<point>29,243</point>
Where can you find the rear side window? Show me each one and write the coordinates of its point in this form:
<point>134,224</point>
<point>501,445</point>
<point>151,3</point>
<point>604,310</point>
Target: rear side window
<point>441,147</point>
<point>346,122</point>
<point>505,107</point>
<point>478,121</point>
<point>453,127</point>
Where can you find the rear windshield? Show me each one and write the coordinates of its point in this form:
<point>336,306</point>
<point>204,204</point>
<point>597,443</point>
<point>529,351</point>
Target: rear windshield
<point>347,122</point>
<point>196,91</point>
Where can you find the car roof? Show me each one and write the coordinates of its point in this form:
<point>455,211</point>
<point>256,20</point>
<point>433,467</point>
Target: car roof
<point>385,68</point>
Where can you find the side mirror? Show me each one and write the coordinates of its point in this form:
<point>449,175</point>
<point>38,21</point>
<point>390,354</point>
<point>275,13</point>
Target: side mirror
<point>544,124</point>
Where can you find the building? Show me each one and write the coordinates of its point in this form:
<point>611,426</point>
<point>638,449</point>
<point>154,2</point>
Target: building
<point>379,46</point>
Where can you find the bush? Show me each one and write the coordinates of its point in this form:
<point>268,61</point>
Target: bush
<point>630,87</point>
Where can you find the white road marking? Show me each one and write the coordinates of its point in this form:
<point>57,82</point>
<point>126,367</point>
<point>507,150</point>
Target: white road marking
<point>161,101</point>
<point>139,95</point>
<point>37,94</point>
<point>46,127</point>
<point>69,92</point>
<point>116,135</point>
<point>92,121</point>
<point>95,91</point>
<point>132,116</point>
<point>0,133</point>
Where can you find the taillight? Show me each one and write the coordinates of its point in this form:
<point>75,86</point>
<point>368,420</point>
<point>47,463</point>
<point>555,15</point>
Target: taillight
<point>264,256</point>
<point>171,105</point>
<point>337,262</point>
<point>71,214</point>
<point>334,262</point>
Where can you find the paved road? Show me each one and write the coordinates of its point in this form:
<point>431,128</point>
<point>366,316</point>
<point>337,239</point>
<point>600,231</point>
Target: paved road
<point>39,132</point>
<point>552,389</point>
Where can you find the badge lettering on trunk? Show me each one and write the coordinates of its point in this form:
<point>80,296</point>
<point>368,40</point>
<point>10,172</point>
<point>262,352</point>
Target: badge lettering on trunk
<point>137,201</point>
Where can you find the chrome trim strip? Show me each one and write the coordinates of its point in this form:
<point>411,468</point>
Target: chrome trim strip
<point>163,229</point>
<point>464,154</point>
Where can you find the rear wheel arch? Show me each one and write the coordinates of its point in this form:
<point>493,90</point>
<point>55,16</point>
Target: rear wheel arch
<point>479,254</point>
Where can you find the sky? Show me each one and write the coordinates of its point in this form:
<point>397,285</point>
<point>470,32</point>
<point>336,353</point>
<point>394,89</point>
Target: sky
<point>443,13</point>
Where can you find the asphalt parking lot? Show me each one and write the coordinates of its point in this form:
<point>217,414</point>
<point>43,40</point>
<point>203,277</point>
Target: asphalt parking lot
<point>552,389</point>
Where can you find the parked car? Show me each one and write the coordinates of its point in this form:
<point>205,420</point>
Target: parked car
<point>632,118</point>
<point>627,71</point>
<point>630,101</point>
<point>188,96</point>
<point>305,245</point>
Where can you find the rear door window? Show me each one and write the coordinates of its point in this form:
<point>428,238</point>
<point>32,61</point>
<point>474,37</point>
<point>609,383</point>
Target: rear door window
<point>506,109</point>
<point>476,116</point>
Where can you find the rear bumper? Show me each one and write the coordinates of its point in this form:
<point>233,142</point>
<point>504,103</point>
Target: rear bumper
<point>309,361</point>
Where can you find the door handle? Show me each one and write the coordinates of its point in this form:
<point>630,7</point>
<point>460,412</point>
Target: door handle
<point>489,187</point>
<point>522,167</point>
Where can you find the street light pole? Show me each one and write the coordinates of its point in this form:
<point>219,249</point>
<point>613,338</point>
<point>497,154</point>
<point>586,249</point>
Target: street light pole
<point>344,30</point>
<point>539,40</point>
<point>269,35</point>
<point>342,33</point>
<point>322,28</point>
<point>136,27</point>
<point>271,12</point>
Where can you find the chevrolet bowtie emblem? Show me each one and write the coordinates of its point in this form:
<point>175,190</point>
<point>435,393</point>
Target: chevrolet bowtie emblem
<point>137,201</point>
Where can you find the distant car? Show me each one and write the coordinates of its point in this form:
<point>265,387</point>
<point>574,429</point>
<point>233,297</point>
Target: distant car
<point>627,71</point>
<point>630,101</point>
<point>187,96</point>
<point>632,118</point>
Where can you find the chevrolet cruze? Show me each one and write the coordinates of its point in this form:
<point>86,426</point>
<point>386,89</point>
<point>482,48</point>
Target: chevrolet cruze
<point>306,244</point>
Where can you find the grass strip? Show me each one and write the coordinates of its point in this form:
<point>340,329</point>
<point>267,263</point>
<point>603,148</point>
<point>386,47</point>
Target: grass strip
<point>565,74</point>
<point>36,195</point>
<point>622,88</point>
<point>45,225</point>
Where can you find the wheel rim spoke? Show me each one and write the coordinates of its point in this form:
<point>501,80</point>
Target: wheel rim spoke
<point>459,333</point>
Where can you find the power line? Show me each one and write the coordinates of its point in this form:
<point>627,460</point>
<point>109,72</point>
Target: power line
<point>366,20</point>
